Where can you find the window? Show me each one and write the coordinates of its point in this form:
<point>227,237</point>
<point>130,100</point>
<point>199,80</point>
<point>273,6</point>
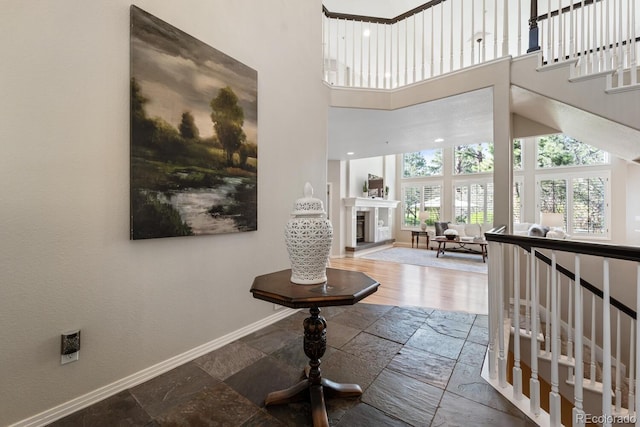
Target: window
<point>422,163</point>
<point>518,197</point>
<point>473,158</point>
<point>473,202</point>
<point>517,155</point>
<point>562,150</point>
<point>420,197</point>
<point>583,199</point>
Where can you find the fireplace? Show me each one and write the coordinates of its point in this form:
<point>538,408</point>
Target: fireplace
<point>360,227</point>
<point>369,222</point>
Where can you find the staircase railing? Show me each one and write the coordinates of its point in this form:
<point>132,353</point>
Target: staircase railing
<point>442,36</point>
<point>537,304</point>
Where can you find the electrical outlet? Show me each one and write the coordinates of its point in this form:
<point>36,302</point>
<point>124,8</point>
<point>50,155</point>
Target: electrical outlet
<point>70,347</point>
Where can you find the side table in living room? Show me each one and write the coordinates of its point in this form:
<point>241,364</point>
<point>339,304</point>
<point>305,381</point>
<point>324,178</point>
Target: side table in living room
<point>416,235</point>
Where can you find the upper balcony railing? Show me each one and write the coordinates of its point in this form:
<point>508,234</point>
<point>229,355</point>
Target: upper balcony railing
<point>441,36</point>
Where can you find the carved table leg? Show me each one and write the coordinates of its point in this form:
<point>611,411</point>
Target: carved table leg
<point>315,344</point>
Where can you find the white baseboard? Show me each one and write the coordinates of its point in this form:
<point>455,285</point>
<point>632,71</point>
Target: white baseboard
<point>139,377</point>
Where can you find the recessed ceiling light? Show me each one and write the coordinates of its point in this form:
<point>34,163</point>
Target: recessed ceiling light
<point>350,153</point>
<point>438,140</point>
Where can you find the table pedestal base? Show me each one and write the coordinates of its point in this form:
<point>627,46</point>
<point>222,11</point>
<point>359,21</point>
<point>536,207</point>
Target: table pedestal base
<point>316,392</point>
<point>314,386</point>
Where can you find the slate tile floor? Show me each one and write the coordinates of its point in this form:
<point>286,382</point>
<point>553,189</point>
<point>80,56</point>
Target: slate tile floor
<point>417,367</point>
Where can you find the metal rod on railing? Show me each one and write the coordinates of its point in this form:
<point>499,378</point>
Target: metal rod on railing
<point>533,28</point>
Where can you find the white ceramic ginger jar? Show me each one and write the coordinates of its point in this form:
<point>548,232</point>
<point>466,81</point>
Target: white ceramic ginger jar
<point>308,235</point>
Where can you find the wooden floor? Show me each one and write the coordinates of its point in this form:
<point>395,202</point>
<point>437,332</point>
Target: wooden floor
<point>412,285</point>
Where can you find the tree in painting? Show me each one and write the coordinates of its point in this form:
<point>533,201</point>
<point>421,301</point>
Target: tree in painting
<point>228,118</point>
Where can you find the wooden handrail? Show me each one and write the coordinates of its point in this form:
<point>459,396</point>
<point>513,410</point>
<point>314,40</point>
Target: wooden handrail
<point>627,253</point>
<point>376,20</point>
<point>577,5</point>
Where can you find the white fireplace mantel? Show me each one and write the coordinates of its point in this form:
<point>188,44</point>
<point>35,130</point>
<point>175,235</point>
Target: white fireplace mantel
<point>368,202</point>
<point>378,219</point>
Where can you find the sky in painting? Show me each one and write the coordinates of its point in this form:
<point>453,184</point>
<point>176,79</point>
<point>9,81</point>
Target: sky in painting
<point>179,73</point>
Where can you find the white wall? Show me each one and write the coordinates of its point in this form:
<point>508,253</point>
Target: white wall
<point>66,260</point>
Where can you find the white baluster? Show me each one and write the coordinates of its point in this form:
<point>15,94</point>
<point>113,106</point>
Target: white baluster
<point>432,44</point>
<point>384,61</point>
<point>415,31</point>
<point>424,47</point>
<point>493,324</point>
<point>451,39</point>
<point>441,38</point>
<point>570,330</point>
<point>618,395</point>
<point>606,344</point>
<point>637,385</point>
<point>584,49</point>
<point>549,34</point>
<point>502,359</point>
<point>634,57</point>
<point>462,34</point>
<point>534,383</point>
<point>632,361</point>
<point>592,365</point>
<point>554,395</point>
<point>528,296</point>
<point>572,47</point>
<point>578,412</point>
<point>505,29</point>
<point>406,51</point>
<point>473,32</point>
<point>561,54</point>
<point>484,32</point>
<point>377,70</point>
<point>517,371</point>
<point>600,46</point>
<point>519,21</point>
<point>547,308</point>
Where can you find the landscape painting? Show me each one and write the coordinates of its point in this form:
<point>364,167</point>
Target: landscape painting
<point>194,135</point>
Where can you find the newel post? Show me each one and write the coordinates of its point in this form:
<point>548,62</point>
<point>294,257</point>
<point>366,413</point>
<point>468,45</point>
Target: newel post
<point>533,28</point>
